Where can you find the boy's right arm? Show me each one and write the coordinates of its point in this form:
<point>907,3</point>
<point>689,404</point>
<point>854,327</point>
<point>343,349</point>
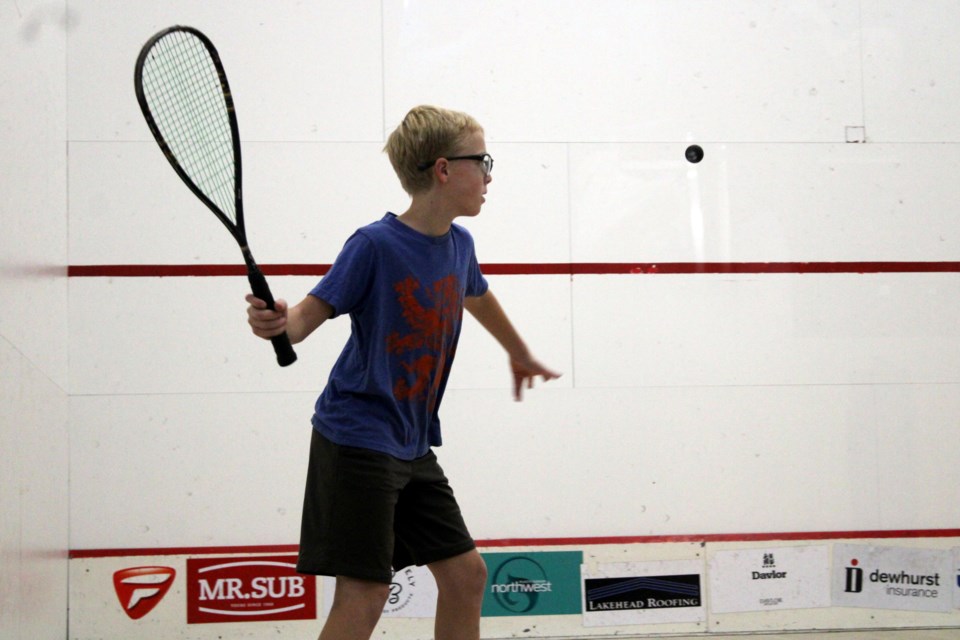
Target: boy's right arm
<point>299,321</point>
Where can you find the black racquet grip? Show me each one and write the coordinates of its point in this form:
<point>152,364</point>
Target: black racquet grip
<point>281,343</point>
<point>284,350</point>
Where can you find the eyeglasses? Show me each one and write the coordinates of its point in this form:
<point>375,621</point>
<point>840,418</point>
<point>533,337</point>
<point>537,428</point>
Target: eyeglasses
<point>484,158</point>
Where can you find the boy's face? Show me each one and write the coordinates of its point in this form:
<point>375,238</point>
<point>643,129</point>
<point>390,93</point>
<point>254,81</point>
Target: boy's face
<point>467,179</point>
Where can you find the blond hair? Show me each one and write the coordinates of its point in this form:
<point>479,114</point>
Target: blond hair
<point>426,133</point>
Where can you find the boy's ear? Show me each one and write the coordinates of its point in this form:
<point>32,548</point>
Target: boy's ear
<point>441,170</point>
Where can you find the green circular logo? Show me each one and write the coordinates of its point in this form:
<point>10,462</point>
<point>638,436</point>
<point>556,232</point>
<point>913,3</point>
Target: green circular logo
<point>518,583</point>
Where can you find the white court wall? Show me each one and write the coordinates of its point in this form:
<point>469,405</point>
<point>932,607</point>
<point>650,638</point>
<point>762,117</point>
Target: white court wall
<point>33,322</point>
<point>587,114</point>
<point>687,402</point>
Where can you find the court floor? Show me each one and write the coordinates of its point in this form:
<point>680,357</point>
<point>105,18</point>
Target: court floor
<point>900,634</point>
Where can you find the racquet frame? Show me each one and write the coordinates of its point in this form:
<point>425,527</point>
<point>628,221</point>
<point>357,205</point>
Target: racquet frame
<point>258,283</point>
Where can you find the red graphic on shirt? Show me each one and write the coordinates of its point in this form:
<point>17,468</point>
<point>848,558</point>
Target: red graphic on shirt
<point>429,340</point>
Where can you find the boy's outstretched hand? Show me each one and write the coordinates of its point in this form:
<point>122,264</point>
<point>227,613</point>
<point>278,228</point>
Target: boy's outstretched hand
<point>524,372</point>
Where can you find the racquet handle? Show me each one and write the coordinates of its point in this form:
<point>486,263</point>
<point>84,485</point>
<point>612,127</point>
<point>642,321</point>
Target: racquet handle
<point>281,343</point>
<point>284,350</point>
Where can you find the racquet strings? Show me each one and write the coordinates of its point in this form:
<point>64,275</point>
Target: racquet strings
<point>186,99</point>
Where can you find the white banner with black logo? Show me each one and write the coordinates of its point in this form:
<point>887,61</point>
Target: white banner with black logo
<point>627,593</point>
<point>413,594</point>
<point>956,577</point>
<point>773,578</point>
<point>893,578</point>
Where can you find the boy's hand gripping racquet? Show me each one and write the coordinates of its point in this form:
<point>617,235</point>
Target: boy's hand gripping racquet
<point>183,93</point>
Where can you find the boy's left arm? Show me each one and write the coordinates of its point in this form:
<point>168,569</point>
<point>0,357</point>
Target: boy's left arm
<point>488,312</point>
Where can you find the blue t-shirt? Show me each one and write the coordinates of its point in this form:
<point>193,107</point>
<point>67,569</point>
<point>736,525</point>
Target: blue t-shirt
<point>404,293</point>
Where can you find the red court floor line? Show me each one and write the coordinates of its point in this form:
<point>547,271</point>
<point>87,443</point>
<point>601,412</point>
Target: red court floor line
<point>555,542</point>
<point>540,268</point>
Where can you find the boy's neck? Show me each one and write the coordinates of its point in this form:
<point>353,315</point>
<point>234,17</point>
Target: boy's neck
<point>426,217</point>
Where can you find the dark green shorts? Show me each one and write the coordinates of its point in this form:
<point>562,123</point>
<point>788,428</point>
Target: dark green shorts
<point>366,514</point>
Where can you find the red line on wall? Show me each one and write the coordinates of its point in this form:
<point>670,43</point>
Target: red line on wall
<point>188,270</point>
<point>554,542</point>
<point>542,268</point>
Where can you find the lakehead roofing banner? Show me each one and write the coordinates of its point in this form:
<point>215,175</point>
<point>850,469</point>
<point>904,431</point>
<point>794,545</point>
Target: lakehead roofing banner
<point>636,593</point>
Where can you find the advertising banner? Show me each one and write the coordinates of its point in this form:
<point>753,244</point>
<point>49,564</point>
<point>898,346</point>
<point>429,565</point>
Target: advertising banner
<point>956,577</point>
<point>231,589</point>
<point>413,594</point>
<point>774,578</point>
<point>118,597</point>
<point>532,583</point>
<point>628,593</point>
<point>140,589</point>
<point>893,578</point>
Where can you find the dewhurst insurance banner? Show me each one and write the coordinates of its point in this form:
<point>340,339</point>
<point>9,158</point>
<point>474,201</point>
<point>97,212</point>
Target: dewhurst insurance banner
<point>893,578</point>
<point>956,577</point>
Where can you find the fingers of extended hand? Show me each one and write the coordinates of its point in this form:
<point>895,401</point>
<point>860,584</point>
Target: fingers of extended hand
<point>517,386</point>
<point>548,374</point>
<point>532,368</point>
<point>266,322</point>
<point>527,372</point>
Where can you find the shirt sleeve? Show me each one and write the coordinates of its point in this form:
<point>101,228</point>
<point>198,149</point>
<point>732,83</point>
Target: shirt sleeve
<point>476,283</point>
<point>346,285</point>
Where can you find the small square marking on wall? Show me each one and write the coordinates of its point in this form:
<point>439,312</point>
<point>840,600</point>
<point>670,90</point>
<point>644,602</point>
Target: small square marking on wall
<point>856,134</point>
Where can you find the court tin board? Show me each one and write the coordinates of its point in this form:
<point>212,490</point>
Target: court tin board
<point>893,578</point>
